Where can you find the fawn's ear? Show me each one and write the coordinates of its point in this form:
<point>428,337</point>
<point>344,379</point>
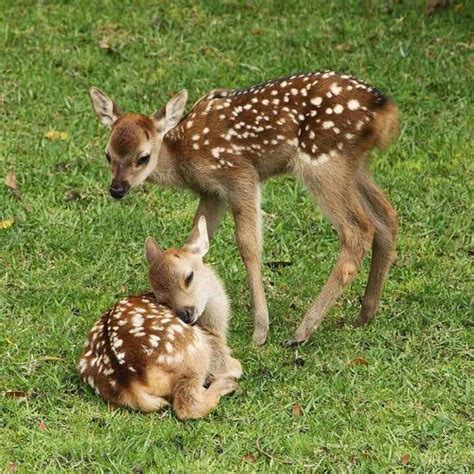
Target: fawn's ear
<point>198,241</point>
<point>152,249</point>
<point>169,116</point>
<point>106,109</point>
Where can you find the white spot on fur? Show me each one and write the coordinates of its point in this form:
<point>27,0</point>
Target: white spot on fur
<point>328,124</point>
<point>335,89</point>
<point>316,100</point>
<point>338,109</point>
<point>353,104</point>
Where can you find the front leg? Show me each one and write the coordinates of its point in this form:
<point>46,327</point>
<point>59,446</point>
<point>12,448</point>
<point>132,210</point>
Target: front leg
<point>213,208</point>
<point>248,231</point>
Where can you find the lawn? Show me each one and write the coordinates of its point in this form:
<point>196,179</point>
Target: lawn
<point>394,396</point>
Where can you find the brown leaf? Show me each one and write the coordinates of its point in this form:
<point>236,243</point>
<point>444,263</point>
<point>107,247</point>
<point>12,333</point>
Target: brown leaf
<point>18,394</point>
<point>249,457</point>
<point>71,196</point>
<point>345,46</point>
<point>42,425</point>
<point>55,136</point>
<point>406,459</point>
<point>12,184</point>
<point>357,361</point>
<point>296,410</point>
<point>12,467</point>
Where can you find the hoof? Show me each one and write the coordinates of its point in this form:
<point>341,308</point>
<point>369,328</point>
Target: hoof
<point>259,337</point>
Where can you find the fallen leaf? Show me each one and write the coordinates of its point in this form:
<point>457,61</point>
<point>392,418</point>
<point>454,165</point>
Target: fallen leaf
<point>55,136</point>
<point>357,361</point>
<point>42,425</point>
<point>6,224</point>
<point>296,410</point>
<point>249,457</point>
<point>12,467</point>
<point>345,46</point>
<point>18,394</point>
<point>406,459</point>
<point>12,184</point>
<point>50,358</point>
<point>433,5</point>
<point>71,196</point>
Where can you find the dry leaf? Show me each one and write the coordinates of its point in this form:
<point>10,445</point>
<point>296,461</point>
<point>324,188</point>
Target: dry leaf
<point>71,196</point>
<point>296,410</point>
<point>249,457</point>
<point>55,136</point>
<point>42,425</point>
<point>18,394</point>
<point>11,182</point>
<point>357,361</point>
<point>6,224</point>
<point>406,459</point>
<point>12,467</point>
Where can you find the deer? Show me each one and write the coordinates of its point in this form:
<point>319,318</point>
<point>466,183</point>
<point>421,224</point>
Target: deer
<point>319,126</point>
<point>169,345</point>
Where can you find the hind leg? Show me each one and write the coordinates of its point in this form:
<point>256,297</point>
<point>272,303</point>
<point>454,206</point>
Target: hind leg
<point>383,246</point>
<point>339,199</point>
<point>192,400</point>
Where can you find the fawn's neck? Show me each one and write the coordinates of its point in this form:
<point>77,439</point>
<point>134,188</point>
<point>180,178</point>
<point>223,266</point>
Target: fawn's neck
<point>215,316</point>
<point>166,172</point>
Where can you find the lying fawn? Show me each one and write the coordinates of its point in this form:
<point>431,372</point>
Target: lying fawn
<point>320,126</point>
<point>143,354</point>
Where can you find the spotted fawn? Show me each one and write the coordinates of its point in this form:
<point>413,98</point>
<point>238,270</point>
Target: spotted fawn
<point>319,126</point>
<point>163,347</point>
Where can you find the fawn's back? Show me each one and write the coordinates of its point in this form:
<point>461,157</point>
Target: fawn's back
<point>312,117</point>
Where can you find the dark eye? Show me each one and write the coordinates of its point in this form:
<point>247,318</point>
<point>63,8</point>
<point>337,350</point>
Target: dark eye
<point>107,156</point>
<point>143,160</point>
<point>188,279</point>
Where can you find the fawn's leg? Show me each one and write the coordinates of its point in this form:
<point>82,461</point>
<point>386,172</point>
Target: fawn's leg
<point>213,208</point>
<point>385,219</point>
<point>340,202</point>
<point>192,400</point>
<point>248,231</point>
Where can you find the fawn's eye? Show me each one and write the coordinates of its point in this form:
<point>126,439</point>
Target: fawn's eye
<point>188,279</point>
<point>107,156</point>
<point>143,160</point>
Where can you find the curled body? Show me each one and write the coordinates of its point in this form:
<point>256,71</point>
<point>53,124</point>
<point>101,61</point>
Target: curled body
<point>141,354</point>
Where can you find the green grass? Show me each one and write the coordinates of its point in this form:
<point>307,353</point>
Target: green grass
<point>63,262</point>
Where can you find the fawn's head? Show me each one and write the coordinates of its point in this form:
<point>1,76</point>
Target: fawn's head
<point>135,139</point>
<point>179,277</point>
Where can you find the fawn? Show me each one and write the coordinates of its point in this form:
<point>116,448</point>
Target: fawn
<point>320,126</point>
<point>161,347</point>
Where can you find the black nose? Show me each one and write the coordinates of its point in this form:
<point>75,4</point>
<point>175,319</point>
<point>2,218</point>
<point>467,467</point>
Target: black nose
<point>117,191</point>
<point>185,314</point>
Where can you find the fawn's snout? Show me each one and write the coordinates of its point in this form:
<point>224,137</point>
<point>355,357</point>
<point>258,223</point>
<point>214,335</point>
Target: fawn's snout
<point>187,314</point>
<point>119,190</point>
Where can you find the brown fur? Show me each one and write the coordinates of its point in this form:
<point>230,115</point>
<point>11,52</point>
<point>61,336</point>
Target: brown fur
<point>140,354</point>
<point>319,126</point>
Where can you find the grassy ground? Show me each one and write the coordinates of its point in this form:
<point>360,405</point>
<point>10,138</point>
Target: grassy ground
<point>405,400</point>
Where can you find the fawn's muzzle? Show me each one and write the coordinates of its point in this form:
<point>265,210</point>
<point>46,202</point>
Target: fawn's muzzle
<point>186,314</point>
<point>118,191</point>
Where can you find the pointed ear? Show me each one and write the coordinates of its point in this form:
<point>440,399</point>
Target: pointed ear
<point>152,249</point>
<point>198,241</point>
<point>106,110</point>
<point>170,116</point>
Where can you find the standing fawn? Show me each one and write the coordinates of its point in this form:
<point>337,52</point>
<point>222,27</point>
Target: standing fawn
<point>319,126</point>
<point>158,348</point>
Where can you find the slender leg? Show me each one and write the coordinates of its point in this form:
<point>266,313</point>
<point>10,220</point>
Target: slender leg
<point>213,208</point>
<point>383,246</point>
<point>355,229</point>
<point>248,231</point>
